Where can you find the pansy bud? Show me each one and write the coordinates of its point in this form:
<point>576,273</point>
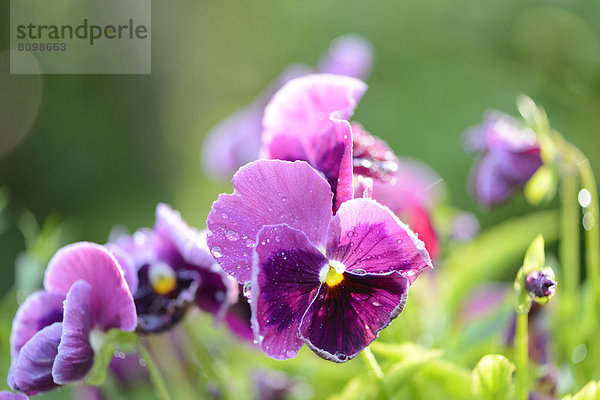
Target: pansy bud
<point>541,283</point>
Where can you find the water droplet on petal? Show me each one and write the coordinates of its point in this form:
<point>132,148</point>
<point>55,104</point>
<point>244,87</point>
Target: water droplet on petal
<point>359,271</point>
<point>376,304</point>
<point>232,235</point>
<point>341,356</point>
<point>291,353</point>
<point>399,241</point>
<point>216,252</point>
<point>246,290</point>
<point>249,243</point>
<point>224,216</point>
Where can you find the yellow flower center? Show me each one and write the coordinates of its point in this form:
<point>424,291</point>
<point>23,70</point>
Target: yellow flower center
<point>332,274</point>
<point>162,278</point>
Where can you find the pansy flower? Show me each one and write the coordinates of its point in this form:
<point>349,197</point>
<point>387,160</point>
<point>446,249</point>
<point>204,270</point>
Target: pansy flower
<point>12,396</point>
<point>174,271</point>
<point>332,282</point>
<point>236,140</point>
<point>509,156</point>
<point>51,339</point>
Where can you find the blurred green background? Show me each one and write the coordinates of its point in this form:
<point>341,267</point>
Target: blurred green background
<point>103,150</point>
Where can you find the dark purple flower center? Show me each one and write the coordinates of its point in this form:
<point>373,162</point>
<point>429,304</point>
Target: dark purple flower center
<point>164,295</point>
<point>540,283</point>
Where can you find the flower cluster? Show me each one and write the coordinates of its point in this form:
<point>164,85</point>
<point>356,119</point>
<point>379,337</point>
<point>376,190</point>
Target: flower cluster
<point>326,262</point>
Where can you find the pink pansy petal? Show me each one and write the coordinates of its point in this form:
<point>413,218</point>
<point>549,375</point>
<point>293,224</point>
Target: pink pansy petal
<point>302,108</point>
<point>38,311</point>
<point>75,356</point>
<point>112,303</point>
<point>267,192</point>
<point>343,319</point>
<point>364,235</point>
<point>285,277</point>
<point>12,396</point>
<point>127,265</point>
<point>284,147</point>
<point>33,371</point>
<point>350,55</point>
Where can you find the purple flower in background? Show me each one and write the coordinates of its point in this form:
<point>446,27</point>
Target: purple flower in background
<point>174,271</point>
<point>237,139</point>
<point>307,120</point>
<point>85,291</point>
<point>509,156</point>
<point>332,282</point>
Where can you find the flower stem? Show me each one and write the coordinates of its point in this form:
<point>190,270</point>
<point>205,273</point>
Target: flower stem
<point>522,356</point>
<point>569,244</point>
<point>372,363</point>
<point>155,375</point>
<point>592,233</point>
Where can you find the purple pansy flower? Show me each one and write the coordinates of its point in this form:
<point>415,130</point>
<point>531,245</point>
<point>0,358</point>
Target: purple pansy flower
<point>332,282</point>
<point>237,139</point>
<point>509,156</point>
<point>174,271</point>
<point>85,292</point>
<point>307,120</point>
<point>12,396</point>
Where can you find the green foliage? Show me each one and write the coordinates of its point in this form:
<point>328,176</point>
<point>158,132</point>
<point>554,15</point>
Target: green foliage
<point>492,378</point>
<point>591,391</point>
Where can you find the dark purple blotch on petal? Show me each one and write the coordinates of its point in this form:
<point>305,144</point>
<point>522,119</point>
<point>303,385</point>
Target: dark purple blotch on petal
<point>342,320</point>
<point>285,279</point>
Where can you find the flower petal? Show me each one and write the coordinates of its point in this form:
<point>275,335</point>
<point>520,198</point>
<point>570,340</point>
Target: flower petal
<point>285,277</point>
<point>302,108</point>
<point>364,235</point>
<point>75,356</point>
<point>267,192</point>
<point>350,55</point>
<point>488,182</point>
<point>38,311</point>
<point>127,265</point>
<point>344,319</point>
<point>33,371</point>
<point>112,303</point>
<point>334,160</point>
<point>12,396</point>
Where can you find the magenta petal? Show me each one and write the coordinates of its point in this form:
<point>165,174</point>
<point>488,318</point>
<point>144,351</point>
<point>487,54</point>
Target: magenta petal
<point>266,192</point>
<point>127,265</point>
<point>12,396</point>
<point>285,277</point>
<point>75,356</point>
<point>302,108</point>
<point>344,319</point>
<point>38,311</point>
<point>112,303</point>
<point>364,235</point>
<point>350,55</point>
<point>33,371</point>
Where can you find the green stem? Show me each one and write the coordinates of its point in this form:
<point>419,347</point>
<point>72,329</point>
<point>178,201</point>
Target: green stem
<point>155,375</point>
<point>522,356</point>
<point>569,244</point>
<point>372,363</point>
<point>592,234</point>
<point>375,369</point>
<point>204,357</point>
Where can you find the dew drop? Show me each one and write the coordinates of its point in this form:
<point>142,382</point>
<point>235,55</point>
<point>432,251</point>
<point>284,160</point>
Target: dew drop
<point>249,243</point>
<point>359,271</point>
<point>232,235</point>
<point>224,216</point>
<point>399,241</point>
<point>246,290</point>
<point>341,356</point>
<point>588,221</point>
<point>291,353</point>
<point>376,304</point>
<point>585,198</point>
<point>216,252</point>
<point>350,233</point>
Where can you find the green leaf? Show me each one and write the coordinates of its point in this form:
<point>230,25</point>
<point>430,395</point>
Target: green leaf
<point>442,379</point>
<point>492,378</point>
<point>535,256</point>
<point>541,186</point>
<point>105,346</point>
<point>358,388</point>
<point>412,359</point>
<point>591,391</point>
